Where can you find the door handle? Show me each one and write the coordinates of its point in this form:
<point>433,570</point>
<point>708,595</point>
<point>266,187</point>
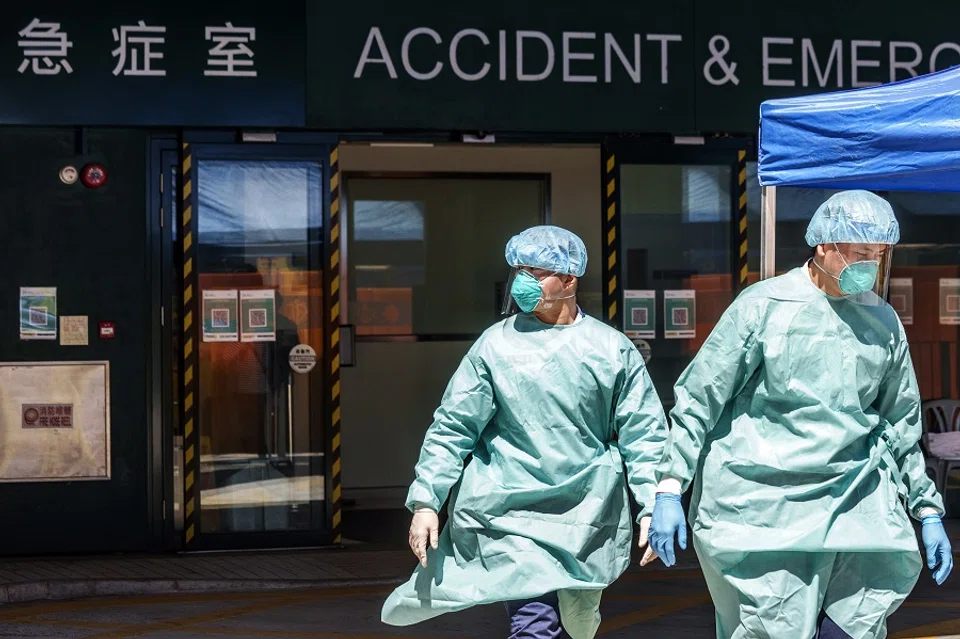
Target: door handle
<point>348,345</point>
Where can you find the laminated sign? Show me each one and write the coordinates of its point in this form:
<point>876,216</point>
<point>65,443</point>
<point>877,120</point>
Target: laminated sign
<point>38,313</point>
<point>220,316</point>
<point>640,314</point>
<point>680,314</point>
<point>258,316</point>
<point>950,301</point>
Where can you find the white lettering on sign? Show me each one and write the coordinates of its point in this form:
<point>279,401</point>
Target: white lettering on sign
<point>936,54</point>
<point>455,64</point>
<point>569,55</point>
<point>580,52</point>
<point>44,48</point>
<point>809,56</point>
<point>904,60</point>
<point>857,62</point>
<point>589,57</point>
<point>611,45</point>
<point>375,38</point>
<point>230,56</point>
<point>664,41</point>
<point>718,70</point>
<point>911,66</point>
<point>405,54</point>
<point>135,45</point>
<point>503,55</point>
<point>770,61</point>
<point>551,58</point>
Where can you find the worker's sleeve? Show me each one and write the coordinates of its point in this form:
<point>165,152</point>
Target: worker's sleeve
<point>726,361</point>
<point>641,429</point>
<point>466,408</point>
<point>898,403</point>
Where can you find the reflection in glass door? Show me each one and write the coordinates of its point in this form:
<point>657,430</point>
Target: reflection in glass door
<point>676,233</point>
<point>261,438</point>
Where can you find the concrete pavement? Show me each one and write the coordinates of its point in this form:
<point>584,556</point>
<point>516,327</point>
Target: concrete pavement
<point>33,579</point>
<point>651,603</point>
<point>338,593</point>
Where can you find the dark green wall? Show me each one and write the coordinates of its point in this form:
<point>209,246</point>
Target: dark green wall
<point>91,245</point>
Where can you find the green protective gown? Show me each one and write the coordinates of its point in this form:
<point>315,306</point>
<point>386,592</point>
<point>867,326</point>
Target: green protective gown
<point>800,418</point>
<point>550,414</point>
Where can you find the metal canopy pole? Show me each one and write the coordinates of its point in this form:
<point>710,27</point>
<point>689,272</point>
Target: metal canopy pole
<point>768,232</point>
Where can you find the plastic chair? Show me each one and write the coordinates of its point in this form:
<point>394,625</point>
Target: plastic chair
<point>941,416</point>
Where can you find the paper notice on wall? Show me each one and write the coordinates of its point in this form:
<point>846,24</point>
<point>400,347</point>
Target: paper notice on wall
<point>54,421</point>
<point>950,301</point>
<point>38,313</point>
<point>220,316</point>
<point>680,314</point>
<point>258,316</point>
<point>901,298</point>
<point>74,330</point>
<point>640,312</point>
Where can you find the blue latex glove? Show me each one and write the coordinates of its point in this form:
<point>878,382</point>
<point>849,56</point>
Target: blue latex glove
<point>668,521</point>
<point>939,551</point>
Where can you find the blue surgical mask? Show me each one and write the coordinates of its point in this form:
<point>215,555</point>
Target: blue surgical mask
<point>526,291</point>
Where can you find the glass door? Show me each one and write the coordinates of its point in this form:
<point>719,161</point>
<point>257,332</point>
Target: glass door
<point>258,252</point>
<point>673,261</point>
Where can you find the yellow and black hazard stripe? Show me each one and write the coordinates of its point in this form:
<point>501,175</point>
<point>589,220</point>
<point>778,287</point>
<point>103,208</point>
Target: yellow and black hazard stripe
<point>611,239</point>
<point>742,263</point>
<point>191,319</point>
<point>333,344</point>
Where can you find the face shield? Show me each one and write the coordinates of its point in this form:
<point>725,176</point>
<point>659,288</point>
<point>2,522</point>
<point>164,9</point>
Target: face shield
<point>864,275</point>
<point>524,293</point>
<point>509,305</point>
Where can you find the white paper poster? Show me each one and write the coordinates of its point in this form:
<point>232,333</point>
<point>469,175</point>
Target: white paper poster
<point>74,330</point>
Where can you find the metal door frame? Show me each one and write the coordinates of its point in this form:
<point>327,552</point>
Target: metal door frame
<point>714,152</point>
<point>162,155</point>
<point>197,145</point>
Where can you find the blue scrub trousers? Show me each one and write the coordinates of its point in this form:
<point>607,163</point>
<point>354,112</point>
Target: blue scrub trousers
<point>827,629</point>
<point>536,618</point>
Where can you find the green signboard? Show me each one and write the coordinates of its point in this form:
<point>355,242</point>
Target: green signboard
<point>615,66</point>
<point>752,51</point>
<point>238,63</point>
<point>538,65</point>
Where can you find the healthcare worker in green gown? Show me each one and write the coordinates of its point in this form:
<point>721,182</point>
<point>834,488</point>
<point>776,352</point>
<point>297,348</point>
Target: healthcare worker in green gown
<point>800,419</point>
<point>550,403</point>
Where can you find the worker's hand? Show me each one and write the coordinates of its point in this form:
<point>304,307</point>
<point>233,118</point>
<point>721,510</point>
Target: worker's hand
<point>648,554</point>
<point>667,522</point>
<point>937,544</point>
<point>424,528</point>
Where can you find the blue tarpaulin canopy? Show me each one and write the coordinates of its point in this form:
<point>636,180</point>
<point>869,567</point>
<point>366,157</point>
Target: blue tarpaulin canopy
<point>902,136</point>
